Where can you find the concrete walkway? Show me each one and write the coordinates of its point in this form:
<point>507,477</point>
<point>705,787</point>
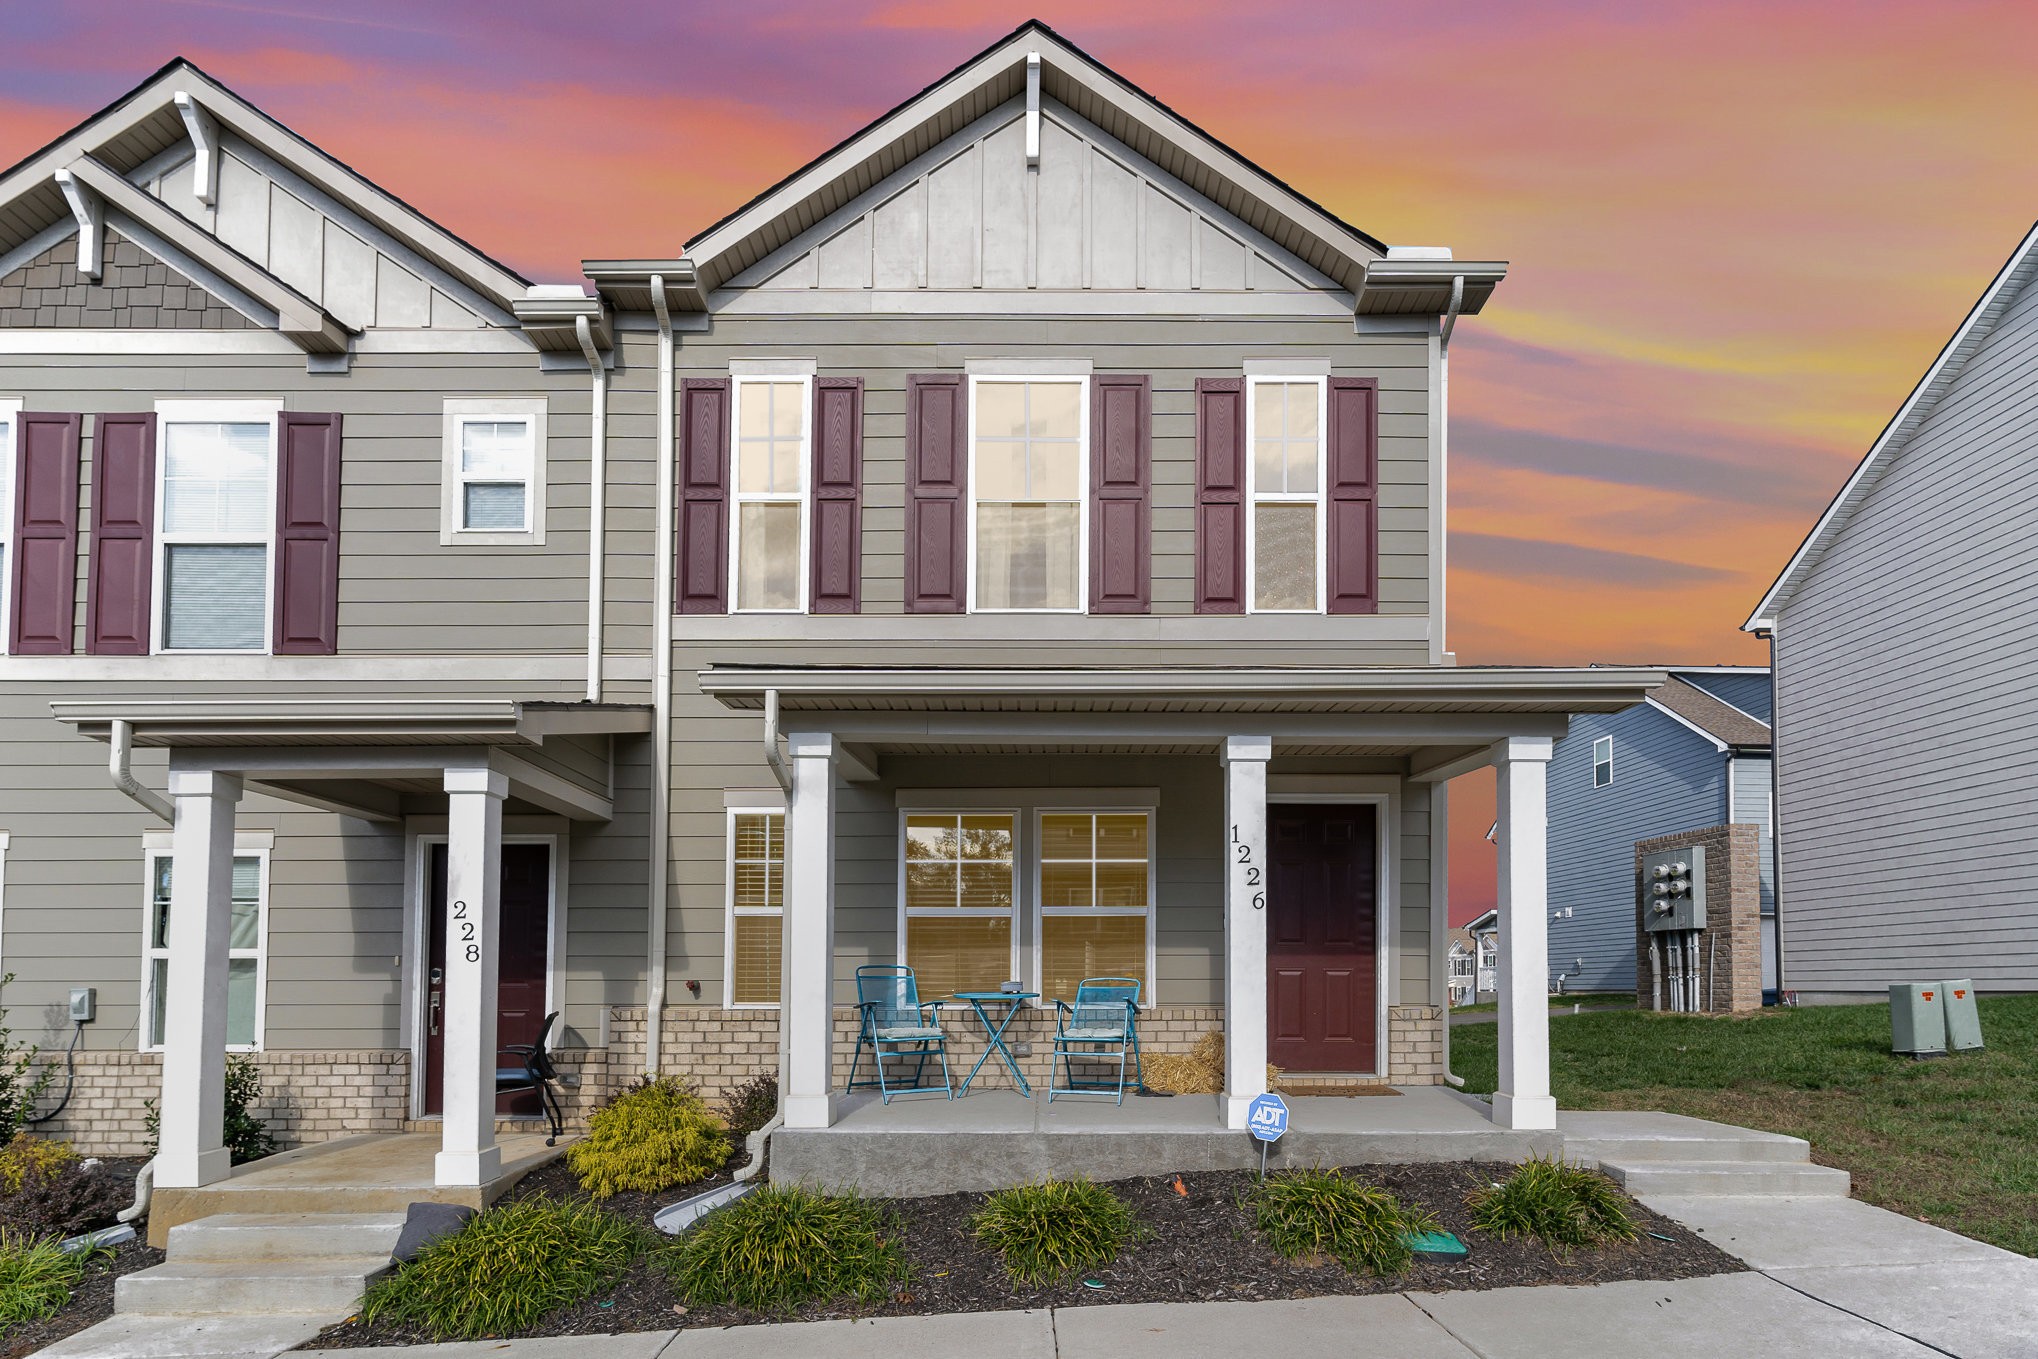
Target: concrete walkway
<point>1832,1277</point>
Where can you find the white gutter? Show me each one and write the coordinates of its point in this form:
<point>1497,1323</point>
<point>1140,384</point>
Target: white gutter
<point>1443,487</point>
<point>772,756</point>
<point>121,743</point>
<point>597,503</point>
<point>661,692</point>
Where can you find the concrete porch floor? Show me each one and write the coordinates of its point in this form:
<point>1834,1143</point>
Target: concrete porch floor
<point>927,1144</point>
<point>373,1173</point>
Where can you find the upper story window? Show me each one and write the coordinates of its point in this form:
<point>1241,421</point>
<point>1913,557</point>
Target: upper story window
<point>215,525</point>
<point>1285,551</point>
<point>10,417</point>
<point>1028,485</point>
<point>768,545</point>
<point>493,480</point>
<point>1602,762</point>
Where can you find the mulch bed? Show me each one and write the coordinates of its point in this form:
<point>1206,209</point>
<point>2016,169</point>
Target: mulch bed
<point>1201,1248</point>
<point>92,1301</point>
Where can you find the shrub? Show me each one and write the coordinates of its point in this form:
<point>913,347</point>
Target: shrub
<point>1560,1204</point>
<point>506,1269</point>
<point>653,1136</point>
<point>751,1105</point>
<point>245,1135</point>
<point>22,1082</point>
<point>32,1158</point>
<point>37,1276</point>
<point>778,1247</point>
<point>68,1201</point>
<point>1321,1212</point>
<point>1054,1229</point>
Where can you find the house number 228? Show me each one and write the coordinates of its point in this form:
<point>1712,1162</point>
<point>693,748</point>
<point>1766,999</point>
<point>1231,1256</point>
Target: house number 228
<point>1244,852</point>
<point>473,950</point>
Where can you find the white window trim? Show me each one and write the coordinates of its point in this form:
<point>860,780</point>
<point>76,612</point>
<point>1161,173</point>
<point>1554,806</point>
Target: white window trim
<point>1082,383</point>
<point>1597,741</point>
<point>10,415</point>
<point>731,911</point>
<point>1320,499</point>
<point>461,410</point>
<point>246,846</point>
<point>1041,912</point>
<point>209,412</point>
<point>738,497</point>
<point>1016,913</point>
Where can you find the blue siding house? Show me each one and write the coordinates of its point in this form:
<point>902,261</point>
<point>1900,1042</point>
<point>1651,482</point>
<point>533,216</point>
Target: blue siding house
<point>1696,754</point>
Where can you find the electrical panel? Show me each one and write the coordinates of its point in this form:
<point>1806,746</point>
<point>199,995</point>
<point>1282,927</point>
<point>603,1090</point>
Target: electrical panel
<point>1673,889</point>
<point>84,1004</point>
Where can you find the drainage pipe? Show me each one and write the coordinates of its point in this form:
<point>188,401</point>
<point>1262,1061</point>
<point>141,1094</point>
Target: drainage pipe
<point>118,764</point>
<point>660,872</point>
<point>144,1186</point>
<point>597,502</point>
<point>772,756</point>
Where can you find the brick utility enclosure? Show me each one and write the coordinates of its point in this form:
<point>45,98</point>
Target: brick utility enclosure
<point>1730,946</point>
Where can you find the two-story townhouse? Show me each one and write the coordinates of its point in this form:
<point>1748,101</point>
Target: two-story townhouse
<point>1012,545</point>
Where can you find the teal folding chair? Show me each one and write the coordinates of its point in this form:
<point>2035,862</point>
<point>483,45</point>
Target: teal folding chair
<point>1104,1019</point>
<point>894,1022</point>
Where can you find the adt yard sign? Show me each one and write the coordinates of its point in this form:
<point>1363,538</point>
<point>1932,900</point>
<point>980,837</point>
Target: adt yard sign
<point>1267,1118</point>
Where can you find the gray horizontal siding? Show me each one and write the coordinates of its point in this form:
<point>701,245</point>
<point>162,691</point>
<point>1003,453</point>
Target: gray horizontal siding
<point>1751,802</point>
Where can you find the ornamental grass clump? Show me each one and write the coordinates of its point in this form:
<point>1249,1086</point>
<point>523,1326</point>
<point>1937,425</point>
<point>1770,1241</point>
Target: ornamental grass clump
<point>1322,1213</point>
<point>37,1276</point>
<point>1561,1205</point>
<point>778,1247</point>
<point>1055,1229</point>
<point>656,1135</point>
<point>506,1269</point>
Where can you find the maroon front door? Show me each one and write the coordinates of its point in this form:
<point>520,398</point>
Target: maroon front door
<point>524,918</point>
<point>1322,922</point>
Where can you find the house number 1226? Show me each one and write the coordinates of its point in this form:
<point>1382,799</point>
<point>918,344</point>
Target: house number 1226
<point>1252,870</point>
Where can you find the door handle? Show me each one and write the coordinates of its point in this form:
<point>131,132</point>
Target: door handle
<point>437,999</point>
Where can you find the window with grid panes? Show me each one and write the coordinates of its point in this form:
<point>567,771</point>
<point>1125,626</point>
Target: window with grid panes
<point>1096,900</point>
<point>756,905</point>
<point>959,901</point>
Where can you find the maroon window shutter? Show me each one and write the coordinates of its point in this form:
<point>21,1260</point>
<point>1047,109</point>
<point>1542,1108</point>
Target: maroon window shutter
<point>123,535</point>
<point>45,561</point>
<point>1220,495</point>
<point>1121,492</point>
<point>937,493</point>
<point>702,582</point>
<point>308,535</point>
<point>1354,482</point>
<point>838,495</point>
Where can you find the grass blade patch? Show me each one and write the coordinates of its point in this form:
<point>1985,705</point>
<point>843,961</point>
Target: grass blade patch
<point>1323,1213</point>
<point>1051,1230</point>
<point>1560,1205</point>
<point>37,1276</point>
<point>778,1247</point>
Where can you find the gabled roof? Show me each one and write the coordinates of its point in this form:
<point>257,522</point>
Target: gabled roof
<point>2018,271</point>
<point>1075,79</point>
<point>1713,717</point>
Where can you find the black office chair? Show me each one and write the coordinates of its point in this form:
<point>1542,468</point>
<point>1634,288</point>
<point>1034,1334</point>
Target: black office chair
<point>537,1073</point>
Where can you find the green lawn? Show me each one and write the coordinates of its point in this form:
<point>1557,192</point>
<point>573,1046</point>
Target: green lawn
<point>1563,1002</point>
<point>1952,1141</point>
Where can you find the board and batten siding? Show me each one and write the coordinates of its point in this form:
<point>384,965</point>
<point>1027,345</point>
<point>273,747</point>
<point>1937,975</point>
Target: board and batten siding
<point>1907,723</point>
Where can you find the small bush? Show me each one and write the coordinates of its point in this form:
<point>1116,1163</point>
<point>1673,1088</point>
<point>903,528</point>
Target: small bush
<point>778,1247</point>
<point>22,1082</point>
<point>1321,1212</point>
<point>32,1158</point>
<point>1054,1229</point>
<point>37,1276</point>
<point>1559,1204</point>
<point>507,1269</point>
<point>245,1136</point>
<point>69,1201</point>
<point>751,1105</point>
<point>654,1136</point>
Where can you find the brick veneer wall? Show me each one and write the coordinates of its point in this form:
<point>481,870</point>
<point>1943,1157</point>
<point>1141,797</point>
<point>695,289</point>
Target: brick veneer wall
<point>1730,946</point>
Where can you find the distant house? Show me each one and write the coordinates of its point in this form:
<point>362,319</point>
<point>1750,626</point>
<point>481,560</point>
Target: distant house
<point>1475,960</point>
<point>1903,636</point>
<point>1696,754</point>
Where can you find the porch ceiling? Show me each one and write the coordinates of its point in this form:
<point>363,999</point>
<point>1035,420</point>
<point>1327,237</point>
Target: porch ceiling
<point>348,722</point>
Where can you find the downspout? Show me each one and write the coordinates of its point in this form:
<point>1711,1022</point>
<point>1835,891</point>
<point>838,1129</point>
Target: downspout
<point>757,1141</point>
<point>1442,548</point>
<point>661,695</point>
<point>1775,808</point>
<point>118,765</point>
<point>597,503</point>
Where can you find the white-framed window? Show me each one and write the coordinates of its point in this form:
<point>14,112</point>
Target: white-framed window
<point>492,480</point>
<point>247,949</point>
<point>1602,762</point>
<point>10,426</point>
<point>1284,530</point>
<point>1029,440</point>
<point>1096,898</point>
<point>756,892</point>
<point>958,899</point>
<point>771,451</point>
<point>215,524</point>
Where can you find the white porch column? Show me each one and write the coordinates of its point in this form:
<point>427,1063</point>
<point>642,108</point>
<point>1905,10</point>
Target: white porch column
<point>808,993</point>
<point>1245,923</point>
<point>468,1154</point>
<point>1523,1100</point>
<point>190,1152</point>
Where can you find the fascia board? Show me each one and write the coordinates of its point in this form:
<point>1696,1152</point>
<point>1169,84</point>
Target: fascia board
<point>1685,722</point>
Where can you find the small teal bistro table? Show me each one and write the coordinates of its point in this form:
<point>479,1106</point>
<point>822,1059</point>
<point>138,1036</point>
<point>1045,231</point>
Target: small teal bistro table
<point>1014,1002</point>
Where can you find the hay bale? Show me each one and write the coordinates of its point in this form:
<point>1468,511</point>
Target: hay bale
<point>1199,1071</point>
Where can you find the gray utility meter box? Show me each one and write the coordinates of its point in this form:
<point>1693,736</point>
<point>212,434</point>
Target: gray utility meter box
<point>1963,1016</point>
<point>1917,1018</point>
<point>1673,889</point>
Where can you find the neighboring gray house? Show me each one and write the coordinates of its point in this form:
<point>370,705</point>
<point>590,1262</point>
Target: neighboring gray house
<point>1903,632</point>
<point>1696,754</point>
<point>1475,960</point>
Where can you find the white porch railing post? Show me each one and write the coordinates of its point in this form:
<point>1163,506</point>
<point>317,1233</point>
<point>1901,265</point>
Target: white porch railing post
<point>1245,923</point>
<point>468,1153</point>
<point>189,1152</point>
<point>807,1006</point>
<point>1523,1099</point>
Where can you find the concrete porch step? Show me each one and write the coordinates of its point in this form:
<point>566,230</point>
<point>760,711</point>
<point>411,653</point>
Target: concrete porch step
<point>1626,1137</point>
<point>284,1236</point>
<point>1716,1178</point>
<point>328,1287</point>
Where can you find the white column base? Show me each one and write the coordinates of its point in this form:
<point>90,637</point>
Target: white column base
<point>210,1167</point>
<point>1524,1113</point>
<point>810,1111</point>
<point>1236,1109</point>
<point>467,1169</point>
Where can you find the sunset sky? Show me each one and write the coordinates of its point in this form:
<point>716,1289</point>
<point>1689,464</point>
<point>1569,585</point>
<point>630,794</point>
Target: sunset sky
<point>1738,232</point>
